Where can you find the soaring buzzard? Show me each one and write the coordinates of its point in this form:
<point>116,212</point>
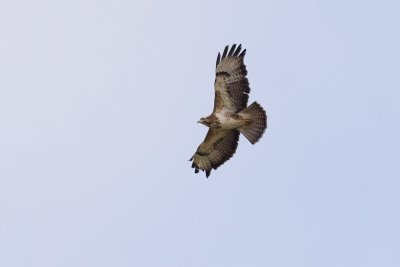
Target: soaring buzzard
<point>231,115</point>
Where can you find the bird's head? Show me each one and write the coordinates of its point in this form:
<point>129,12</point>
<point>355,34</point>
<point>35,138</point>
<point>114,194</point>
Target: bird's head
<point>204,121</point>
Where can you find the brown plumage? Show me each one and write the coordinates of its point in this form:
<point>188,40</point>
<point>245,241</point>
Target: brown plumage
<point>231,115</point>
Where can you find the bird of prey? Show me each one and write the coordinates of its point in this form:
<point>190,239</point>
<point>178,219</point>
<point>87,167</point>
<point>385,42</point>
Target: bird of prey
<point>231,115</point>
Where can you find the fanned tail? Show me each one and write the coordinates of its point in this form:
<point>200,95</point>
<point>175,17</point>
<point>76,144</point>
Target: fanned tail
<point>258,122</point>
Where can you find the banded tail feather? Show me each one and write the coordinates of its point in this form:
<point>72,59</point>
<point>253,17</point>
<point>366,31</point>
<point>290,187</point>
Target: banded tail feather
<point>255,129</point>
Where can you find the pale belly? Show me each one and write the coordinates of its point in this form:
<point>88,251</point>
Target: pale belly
<point>229,120</point>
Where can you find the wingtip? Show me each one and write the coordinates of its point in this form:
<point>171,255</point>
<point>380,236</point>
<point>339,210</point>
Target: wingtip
<point>232,50</point>
<point>225,52</point>
<point>218,60</point>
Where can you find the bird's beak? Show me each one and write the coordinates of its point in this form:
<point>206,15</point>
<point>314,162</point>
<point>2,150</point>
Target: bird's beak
<point>200,121</point>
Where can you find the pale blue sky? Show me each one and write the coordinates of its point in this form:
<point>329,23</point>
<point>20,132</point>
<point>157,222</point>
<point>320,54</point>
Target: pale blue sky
<point>98,108</point>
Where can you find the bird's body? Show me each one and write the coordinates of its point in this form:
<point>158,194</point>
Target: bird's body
<point>227,120</point>
<point>231,115</point>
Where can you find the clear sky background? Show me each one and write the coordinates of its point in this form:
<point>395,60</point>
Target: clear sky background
<point>98,108</point>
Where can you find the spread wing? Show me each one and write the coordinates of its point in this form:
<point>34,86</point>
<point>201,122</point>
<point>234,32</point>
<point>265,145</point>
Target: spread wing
<point>231,85</point>
<point>218,146</point>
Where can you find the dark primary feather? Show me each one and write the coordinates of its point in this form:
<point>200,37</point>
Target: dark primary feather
<point>232,53</point>
<point>238,51</point>
<point>218,59</point>
<point>225,52</point>
<point>232,50</point>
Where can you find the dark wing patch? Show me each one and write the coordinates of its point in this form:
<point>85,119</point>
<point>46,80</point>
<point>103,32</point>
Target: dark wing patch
<point>218,147</point>
<point>231,79</point>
